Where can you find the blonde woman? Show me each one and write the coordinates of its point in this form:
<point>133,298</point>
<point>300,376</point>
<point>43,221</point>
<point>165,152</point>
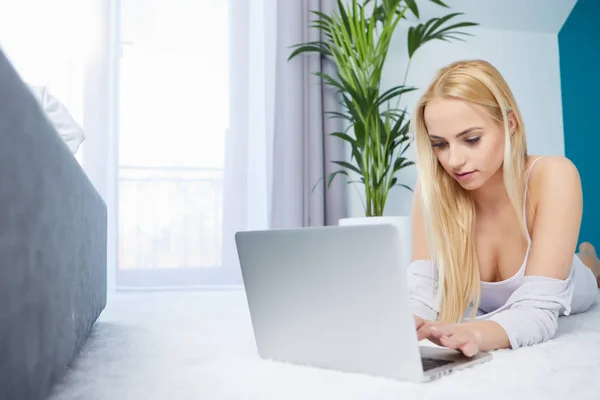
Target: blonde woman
<point>495,229</point>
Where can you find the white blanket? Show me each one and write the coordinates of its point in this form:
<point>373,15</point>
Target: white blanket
<point>181,346</point>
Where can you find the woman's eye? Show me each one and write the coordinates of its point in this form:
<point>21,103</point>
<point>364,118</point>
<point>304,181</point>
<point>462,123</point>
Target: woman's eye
<point>473,140</point>
<point>438,144</point>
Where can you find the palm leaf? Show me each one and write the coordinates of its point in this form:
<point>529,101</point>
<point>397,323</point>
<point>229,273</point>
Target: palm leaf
<point>349,166</point>
<point>434,29</point>
<point>412,5</point>
<point>334,174</point>
<point>439,3</point>
<point>344,136</point>
<point>316,47</point>
<point>392,93</point>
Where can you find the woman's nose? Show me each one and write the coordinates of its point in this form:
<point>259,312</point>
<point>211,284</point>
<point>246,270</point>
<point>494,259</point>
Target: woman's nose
<point>456,158</point>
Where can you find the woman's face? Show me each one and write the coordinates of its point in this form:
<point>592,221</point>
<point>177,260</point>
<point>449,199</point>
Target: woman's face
<point>467,141</point>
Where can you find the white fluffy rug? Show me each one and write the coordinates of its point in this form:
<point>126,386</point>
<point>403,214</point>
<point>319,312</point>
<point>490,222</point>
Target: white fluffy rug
<point>180,346</point>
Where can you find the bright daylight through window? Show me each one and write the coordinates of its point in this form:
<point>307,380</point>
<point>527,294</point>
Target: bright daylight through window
<point>173,113</point>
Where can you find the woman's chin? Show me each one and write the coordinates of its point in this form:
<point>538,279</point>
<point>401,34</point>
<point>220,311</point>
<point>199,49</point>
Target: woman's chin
<point>471,185</point>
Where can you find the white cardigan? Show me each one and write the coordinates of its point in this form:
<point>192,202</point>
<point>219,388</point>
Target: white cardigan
<point>530,315</point>
<point>67,128</point>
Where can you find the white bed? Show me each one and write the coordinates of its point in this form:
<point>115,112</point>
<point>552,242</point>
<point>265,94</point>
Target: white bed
<point>181,346</point>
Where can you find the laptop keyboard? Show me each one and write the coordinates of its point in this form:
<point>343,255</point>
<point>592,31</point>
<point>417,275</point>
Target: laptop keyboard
<point>431,363</point>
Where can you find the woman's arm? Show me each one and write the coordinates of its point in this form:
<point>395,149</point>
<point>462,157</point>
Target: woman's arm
<point>531,313</point>
<point>558,198</point>
<point>532,317</point>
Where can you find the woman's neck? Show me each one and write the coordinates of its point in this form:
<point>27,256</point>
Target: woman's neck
<point>492,197</point>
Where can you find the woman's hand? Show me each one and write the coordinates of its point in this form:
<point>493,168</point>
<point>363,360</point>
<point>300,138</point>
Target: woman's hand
<point>419,322</point>
<point>452,336</point>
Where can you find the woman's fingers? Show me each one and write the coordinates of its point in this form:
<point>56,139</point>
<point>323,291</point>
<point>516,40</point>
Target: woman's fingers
<point>450,336</point>
<point>452,342</point>
<point>426,331</point>
<point>461,342</point>
<point>441,330</point>
<point>423,332</point>
<point>469,349</point>
<point>419,322</point>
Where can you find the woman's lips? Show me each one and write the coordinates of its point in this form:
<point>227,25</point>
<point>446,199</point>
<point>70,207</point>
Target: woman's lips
<point>465,175</point>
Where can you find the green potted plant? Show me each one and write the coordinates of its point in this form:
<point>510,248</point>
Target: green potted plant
<point>356,38</point>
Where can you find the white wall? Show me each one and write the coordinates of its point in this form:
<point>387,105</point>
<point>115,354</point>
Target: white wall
<point>529,62</point>
<point>544,16</point>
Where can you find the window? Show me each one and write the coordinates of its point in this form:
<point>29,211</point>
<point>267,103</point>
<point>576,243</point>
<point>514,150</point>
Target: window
<point>173,113</point>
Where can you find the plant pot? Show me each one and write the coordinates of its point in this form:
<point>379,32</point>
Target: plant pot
<point>402,223</point>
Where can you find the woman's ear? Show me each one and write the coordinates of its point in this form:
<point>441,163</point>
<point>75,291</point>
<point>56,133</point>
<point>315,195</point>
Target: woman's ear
<point>512,123</point>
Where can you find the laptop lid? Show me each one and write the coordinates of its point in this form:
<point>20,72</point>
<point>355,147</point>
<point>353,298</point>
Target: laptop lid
<point>333,297</point>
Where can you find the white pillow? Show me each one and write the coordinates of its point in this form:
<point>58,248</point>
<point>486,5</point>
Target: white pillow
<point>57,113</point>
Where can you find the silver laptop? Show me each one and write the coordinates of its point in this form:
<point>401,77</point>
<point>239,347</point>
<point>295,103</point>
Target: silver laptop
<point>337,298</point>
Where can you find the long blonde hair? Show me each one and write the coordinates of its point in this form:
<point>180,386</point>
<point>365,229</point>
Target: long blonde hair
<point>448,209</point>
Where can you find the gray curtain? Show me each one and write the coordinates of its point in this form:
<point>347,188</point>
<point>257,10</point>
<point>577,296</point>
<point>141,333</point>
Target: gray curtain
<point>302,147</point>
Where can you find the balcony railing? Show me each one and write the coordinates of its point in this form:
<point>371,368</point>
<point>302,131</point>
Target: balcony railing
<point>170,217</point>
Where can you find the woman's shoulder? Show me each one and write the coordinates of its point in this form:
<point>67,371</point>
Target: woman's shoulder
<point>552,175</point>
<point>549,167</point>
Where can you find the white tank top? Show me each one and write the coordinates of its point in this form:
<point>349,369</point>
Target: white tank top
<point>495,294</point>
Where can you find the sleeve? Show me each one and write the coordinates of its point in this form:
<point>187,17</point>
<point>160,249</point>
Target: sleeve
<point>530,315</point>
<point>422,285</point>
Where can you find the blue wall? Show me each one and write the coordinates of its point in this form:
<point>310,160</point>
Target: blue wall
<point>579,47</point>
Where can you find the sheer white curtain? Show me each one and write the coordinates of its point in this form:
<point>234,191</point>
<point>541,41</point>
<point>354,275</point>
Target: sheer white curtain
<point>248,146</point>
<point>100,148</point>
<point>278,145</point>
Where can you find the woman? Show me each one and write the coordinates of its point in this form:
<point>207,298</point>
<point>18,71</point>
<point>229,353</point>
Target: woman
<point>495,229</point>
